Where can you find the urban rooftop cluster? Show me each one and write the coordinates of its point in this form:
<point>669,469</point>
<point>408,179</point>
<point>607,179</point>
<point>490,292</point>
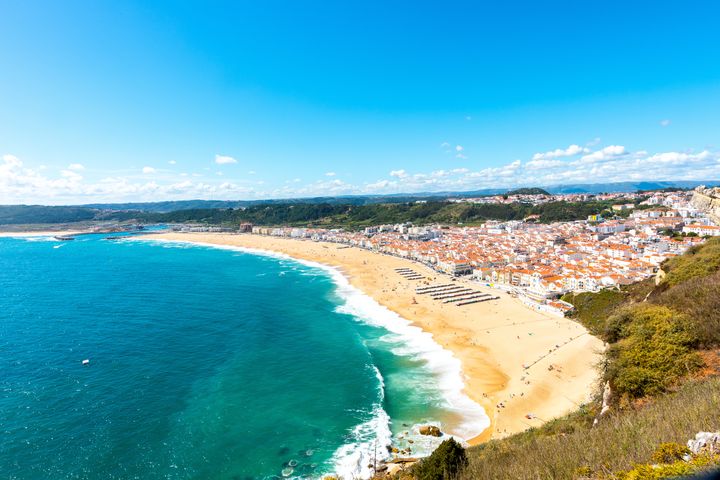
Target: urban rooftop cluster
<point>538,261</point>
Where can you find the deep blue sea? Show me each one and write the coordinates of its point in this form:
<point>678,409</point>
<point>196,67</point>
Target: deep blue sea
<point>204,363</point>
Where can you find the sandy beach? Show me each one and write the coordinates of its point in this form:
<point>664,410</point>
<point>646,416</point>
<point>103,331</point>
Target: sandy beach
<point>494,340</point>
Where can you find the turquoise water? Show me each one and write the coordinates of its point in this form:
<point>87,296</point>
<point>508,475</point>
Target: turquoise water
<point>203,363</point>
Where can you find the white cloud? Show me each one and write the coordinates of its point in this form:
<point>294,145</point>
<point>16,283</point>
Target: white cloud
<point>148,170</point>
<point>459,148</point>
<point>330,174</point>
<point>172,162</point>
<point>444,145</point>
<point>251,172</point>
<point>604,154</point>
<point>76,167</point>
<point>541,163</point>
<point>19,183</point>
<point>664,123</point>
<point>224,160</point>
<point>461,156</point>
<point>561,152</point>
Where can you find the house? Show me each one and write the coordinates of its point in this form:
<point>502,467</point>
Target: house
<point>702,230</point>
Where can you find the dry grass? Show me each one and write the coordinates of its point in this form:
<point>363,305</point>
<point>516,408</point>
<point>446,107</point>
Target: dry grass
<point>617,443</point>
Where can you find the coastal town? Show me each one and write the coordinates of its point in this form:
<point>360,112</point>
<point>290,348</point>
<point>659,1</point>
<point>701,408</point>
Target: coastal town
<point>540,262</point>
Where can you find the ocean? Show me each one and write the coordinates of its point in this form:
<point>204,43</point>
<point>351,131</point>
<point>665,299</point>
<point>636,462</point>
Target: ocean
<point>206,363</point>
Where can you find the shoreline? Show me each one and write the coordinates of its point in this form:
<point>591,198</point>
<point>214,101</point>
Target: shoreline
<point>492,340</point>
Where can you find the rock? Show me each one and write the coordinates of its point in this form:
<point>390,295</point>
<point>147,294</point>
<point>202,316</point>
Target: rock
<point>606,398</point>
<point>705,441</point>
<point>430,430</point>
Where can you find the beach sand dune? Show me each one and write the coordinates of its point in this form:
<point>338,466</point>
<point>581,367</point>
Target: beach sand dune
<point>517,362</point>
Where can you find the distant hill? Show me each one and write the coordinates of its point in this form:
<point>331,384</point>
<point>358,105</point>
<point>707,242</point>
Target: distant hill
<point>528,191</point>
<point>171,206</point>
<point>40,214</point>
<point>219,211</point>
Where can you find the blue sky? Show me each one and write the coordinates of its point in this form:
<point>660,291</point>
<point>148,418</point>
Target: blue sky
<point>137,101</point>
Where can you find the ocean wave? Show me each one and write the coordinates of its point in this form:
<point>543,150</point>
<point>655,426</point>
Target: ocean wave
<point>370,438</point>
<point>36,238</point>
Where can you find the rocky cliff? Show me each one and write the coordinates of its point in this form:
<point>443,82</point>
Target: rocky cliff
<point>708,200</point>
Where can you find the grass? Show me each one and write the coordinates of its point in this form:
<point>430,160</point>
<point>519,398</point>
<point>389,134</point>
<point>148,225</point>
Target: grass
<point>697,262</point>
<point>699,299</point>
<point>567,446</point>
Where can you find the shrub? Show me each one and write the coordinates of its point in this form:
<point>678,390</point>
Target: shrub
<point>699,261</point>
<point>699,299</point>
<point>654,349</point>
<point>446,462</point>
<point>678,468</point>
<point>669,452</point>
<point>592,309</point>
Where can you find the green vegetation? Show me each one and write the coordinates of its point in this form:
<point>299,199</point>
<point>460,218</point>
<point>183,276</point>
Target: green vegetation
<point>21,214</point>
<point>669,452</point>
<point>592,309</point>
<point>654,332</point>
<point>330,215</point>
<point>698,262</point>
<point>652,347</point>
<point>359,216</point>
<point>447,462</point>
<point>699,299</point>
<point>528,191</point>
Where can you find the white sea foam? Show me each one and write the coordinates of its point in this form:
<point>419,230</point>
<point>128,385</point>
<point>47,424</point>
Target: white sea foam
<point>419,344</point>
<point>368,438</point>
<point>36,238</point>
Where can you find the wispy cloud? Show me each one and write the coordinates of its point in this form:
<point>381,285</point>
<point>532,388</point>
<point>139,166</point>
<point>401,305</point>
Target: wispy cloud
<point>664,123</point>
<point>224,160</point>
<point>148,170</point>
<point>561,152</point>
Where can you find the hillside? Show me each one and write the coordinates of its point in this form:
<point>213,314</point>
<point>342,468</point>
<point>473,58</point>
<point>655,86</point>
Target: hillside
<point>528,191</point>
<point>317,214</point>
<point>663,370</point>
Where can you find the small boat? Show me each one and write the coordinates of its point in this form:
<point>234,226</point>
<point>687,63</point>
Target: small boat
<point>86,361</point>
